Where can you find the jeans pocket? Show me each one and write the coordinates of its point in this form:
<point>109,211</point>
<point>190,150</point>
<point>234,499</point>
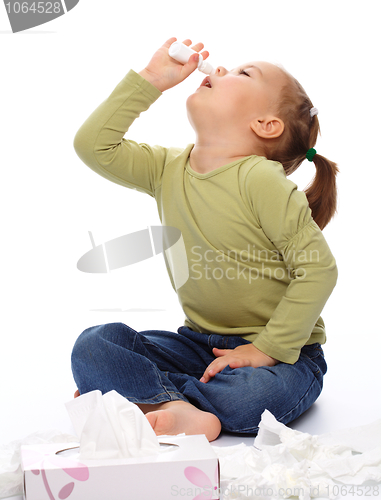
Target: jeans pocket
<point>315,359</point>
<point>313,350</point>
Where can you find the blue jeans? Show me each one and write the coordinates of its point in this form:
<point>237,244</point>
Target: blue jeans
<point>160,366</point>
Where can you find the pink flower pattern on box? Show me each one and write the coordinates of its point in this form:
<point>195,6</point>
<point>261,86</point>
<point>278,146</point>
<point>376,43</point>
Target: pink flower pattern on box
<point>74,469</point>
<point>198,477</point>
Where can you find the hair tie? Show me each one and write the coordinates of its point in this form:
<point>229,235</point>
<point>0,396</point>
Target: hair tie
<point>310,154</point>
<point>313,112</point>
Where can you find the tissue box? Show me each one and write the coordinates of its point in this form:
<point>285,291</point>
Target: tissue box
<point>186,467</point>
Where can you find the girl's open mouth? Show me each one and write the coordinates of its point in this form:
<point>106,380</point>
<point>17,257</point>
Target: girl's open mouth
<point>206,83</point>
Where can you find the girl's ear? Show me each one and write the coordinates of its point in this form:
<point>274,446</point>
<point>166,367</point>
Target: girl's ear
<point>270,127</point>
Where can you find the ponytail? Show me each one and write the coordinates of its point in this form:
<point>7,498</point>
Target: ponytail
<point>322,192</point>
<point>298,139</point>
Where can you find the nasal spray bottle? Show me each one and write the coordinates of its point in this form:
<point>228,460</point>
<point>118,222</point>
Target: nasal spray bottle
<point>182,53</point>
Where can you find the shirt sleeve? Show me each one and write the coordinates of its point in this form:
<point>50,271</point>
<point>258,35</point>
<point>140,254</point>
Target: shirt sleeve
<point>285,218</point>
<point>100,144</point>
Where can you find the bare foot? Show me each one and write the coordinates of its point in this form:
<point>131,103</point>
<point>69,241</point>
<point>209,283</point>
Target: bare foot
<point>76,394</point>
<point>176,417</point>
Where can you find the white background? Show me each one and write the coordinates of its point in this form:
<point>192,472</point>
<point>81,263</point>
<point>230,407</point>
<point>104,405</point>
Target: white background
<point>53,76</point>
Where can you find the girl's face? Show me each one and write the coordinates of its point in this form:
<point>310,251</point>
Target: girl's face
<point>235,98</point>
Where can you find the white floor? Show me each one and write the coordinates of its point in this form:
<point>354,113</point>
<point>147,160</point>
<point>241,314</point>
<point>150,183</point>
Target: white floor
<point>351,397</point>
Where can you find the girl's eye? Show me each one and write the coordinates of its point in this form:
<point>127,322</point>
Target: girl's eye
<point>243,72</point>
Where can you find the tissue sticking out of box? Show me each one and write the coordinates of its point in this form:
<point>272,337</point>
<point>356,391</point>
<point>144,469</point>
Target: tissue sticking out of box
<point>110,426</point>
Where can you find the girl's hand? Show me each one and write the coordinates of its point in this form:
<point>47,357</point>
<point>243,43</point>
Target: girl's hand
<point>243,355</point>
<point>165,72</point>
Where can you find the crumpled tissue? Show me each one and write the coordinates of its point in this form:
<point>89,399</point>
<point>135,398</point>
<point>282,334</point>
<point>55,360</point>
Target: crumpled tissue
<point>110,426</point>
<point>285,463</point>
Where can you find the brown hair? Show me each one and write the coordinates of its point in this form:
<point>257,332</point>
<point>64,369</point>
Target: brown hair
<point>300,134</point>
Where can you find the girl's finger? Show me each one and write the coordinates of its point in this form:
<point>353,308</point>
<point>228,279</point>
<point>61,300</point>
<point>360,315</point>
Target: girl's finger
<point>212,369</point>
<point>220,352</point>
<point>208,375</point>
<point>197,47</point>
<point>169,42</point>
<point>190,66</point>
<point>240,363</point>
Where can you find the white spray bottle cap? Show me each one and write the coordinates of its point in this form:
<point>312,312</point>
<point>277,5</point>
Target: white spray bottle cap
<point>182,53</point>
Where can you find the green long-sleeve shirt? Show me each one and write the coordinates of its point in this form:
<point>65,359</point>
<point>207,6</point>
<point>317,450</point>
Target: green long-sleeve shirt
<point>253,261</point>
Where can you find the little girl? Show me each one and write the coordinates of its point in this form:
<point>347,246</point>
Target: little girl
<point>258,270</point>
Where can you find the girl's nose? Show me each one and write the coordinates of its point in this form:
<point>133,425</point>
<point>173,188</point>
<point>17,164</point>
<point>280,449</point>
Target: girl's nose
<point>221,71</point>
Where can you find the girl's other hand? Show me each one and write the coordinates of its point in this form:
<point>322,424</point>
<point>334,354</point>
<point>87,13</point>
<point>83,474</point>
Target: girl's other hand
<point>165,72</point>
<point>243,355</point>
